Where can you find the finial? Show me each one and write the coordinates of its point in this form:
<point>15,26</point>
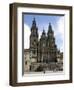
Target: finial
<point>34,22</point>
<point>49,24</point>
<point>50,27</point>
<point>34,19</point>
<point>43,31</point>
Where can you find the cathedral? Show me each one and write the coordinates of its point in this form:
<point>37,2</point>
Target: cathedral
<point>43,51</point>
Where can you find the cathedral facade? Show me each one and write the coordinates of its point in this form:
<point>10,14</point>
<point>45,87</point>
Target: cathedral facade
<point>42,52</point>
<point>43,49</point>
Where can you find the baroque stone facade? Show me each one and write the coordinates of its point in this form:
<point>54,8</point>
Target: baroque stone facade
<point>43,49</point>
<point>42,52</point>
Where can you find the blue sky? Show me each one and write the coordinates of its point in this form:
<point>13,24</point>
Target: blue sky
<point>42,21</point>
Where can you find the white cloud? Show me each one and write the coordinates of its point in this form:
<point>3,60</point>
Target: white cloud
<point>26,36</point>
<point>59,32</point>
<point>40,33</point>
<point>60,26</point>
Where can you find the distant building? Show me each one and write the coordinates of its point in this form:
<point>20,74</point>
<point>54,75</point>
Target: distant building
<point>60,56</point>
<point>42,52</point>
<point>26,60</point>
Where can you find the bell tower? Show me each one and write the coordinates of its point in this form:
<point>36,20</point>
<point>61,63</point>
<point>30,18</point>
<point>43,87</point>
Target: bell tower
<point>51,46</point>
<point>34,41</point>
<point>43,46</point>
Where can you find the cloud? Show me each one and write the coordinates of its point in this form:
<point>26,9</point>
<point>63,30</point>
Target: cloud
<point>26,36</point>
<point>40,33</point>
<point>59,33</point>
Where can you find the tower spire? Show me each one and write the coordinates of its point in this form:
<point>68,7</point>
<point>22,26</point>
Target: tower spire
<point>34,22</point>
<point>49,29</point>
<point>43,34</point>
